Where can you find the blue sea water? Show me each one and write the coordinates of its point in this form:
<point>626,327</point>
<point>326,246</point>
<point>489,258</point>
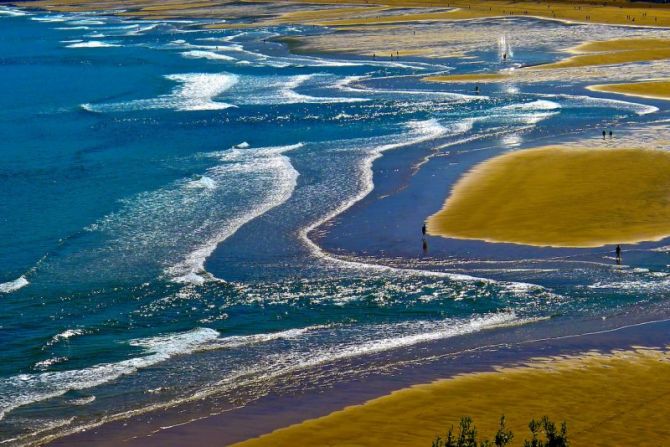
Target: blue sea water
<point>166,191</point>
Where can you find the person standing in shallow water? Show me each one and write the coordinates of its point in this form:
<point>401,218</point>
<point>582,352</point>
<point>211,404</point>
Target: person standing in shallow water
<point>423,229</point>
<point>618,254</point>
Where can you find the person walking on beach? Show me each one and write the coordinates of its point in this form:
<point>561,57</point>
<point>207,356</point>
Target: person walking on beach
<point>604,134</point>
<point>610,134</point>
<point>618,254</point>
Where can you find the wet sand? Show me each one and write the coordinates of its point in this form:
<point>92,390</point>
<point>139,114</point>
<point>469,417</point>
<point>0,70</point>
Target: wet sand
<point>613,52</point>
<point>461,360</point>
<point>588,54</point>
<point>650,89</point>
<point>561,197</point>
<point>599,395</point>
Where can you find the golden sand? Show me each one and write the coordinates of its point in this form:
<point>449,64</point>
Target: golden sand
<point>611,52</point>
<point>575,11</point>
<point>562,197</point>
<point>612,12</point>
<point>588,54</point>
<point>606,400</point>
<point>651,89</point>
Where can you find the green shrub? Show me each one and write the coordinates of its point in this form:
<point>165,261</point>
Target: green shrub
<point>467,435</point>
<point>552,437</point>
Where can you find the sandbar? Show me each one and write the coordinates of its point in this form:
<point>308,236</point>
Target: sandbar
<point>561,197</point>
<point>659,89</point>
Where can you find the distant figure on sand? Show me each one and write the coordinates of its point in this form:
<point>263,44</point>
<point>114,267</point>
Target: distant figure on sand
<point>618,254</point>
<point>610,134</point>
<point>604,134</point>
<point>423,229</point>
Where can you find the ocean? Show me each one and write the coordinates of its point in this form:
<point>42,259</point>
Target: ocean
<point>191,214</point>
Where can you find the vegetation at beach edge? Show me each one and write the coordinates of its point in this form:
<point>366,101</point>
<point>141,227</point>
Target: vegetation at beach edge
<point>544,434</point>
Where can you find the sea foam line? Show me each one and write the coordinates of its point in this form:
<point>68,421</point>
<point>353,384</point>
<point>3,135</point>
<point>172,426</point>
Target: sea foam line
<point>192,268</point>
<point>279,368</point>
<point>196,91</point>
<point>12,286</point>
<point>424,131</point>
<point>291,96</point>
<point>12,12</point>
<point>201,54</point>
<point>637,108</point>
<point>24,389</point>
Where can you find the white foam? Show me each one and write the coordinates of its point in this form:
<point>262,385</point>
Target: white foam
<point>289,95</point>
<point>344,84</point>
<point>271,162</point>
<point>92,44</point>
<point>11,12</point>
<point>203,182</point>
<point>239,341</point>
<point>24,389</point>
<point>222,39</point>
<point>197,91</point>
<point>86,22</point>
<point>529,113</point>
<point>82,401</point>
<point>540,104</point>
<point>242,145</point>
<point>200,54</point>
<point>12,286</point>
<point>65,335</point>
<point>425,331</point>
<point>137,30</point>
<point>590,101</point>
<point>50,19</point>
<point>45,364</point>
<point>512,140</point>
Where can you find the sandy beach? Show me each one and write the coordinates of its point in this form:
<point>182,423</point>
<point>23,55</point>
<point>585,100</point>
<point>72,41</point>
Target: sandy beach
<point>658,89</point>
<point>596,390</point>
<point>561,197</point>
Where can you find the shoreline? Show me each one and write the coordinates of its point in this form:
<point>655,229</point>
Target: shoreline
<point>271,413</point>
<point>601,387</point>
